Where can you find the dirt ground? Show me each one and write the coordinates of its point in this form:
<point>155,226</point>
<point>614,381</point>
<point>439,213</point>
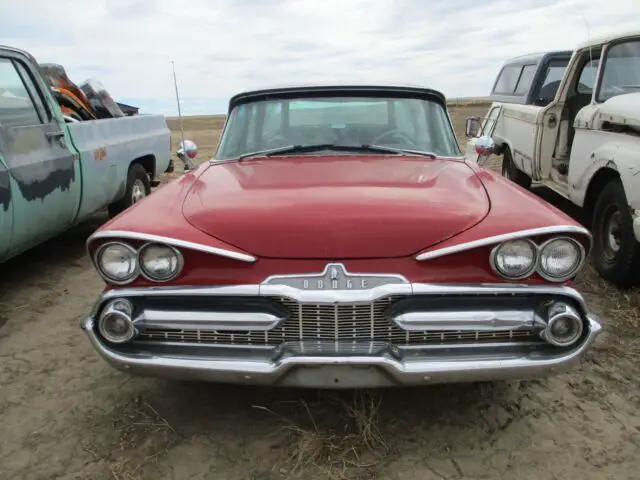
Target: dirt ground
<point>64,414</point>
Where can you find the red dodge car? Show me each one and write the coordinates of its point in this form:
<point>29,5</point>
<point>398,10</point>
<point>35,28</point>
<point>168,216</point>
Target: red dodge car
<point>339,239</point>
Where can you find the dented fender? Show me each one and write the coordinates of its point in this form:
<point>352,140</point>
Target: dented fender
<point>614,151</point>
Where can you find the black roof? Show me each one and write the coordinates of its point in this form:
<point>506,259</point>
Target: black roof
<point>306,89</point>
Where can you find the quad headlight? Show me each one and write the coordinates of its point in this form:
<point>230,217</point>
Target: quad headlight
<point>117,262</point>
<point>160,263</point>
<point>120,263</point>
<point>560,259</point>
<point>555,260</point>
<point>514,259</point>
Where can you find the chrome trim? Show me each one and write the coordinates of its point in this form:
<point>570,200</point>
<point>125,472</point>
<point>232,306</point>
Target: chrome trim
<point>557,311</point>
<point>337,296</point>
<point>431,254</point>
<point>347,371</point>
<point>122,234</point>
<point>96,263</point>
<point>146,275</point>
<point>530,270</point>
<point>572,273</point>
<point>273,279</point>
<point>194,320</point>
<point>109,311</point>
<point>478,320</point>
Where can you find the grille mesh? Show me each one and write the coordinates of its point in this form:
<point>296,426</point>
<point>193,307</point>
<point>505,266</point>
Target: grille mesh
<point>345,323</point>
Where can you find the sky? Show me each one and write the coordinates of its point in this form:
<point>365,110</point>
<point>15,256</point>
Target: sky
<point>222,47</point>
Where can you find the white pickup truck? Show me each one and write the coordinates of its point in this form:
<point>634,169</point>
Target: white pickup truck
<point>570,121</point>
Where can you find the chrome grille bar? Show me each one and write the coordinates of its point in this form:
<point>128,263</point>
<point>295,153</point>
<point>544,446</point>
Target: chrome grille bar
<point>339,323</point>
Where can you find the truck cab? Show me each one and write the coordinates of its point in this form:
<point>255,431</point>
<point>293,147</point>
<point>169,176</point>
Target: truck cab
<point>55,169</point>
<point>570,121</point>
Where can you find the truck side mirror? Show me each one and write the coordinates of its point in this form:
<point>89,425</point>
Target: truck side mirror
<point>472,127</point>
<point>187,153</point>
<point>485,146</point>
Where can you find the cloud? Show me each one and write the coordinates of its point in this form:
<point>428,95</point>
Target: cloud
<point>226,46</point>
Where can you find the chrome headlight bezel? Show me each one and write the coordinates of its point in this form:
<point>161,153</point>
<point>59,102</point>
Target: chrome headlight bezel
<point>172,249</point>
<point>122,308</point>
<point>496,250</point>
<point>97,256</point>
<point>570,274</point>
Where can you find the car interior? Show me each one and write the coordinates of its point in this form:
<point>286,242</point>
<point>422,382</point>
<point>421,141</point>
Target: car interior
<point>578,96</point>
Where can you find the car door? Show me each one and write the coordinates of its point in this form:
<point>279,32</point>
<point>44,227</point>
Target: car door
<point>43,170</point>
<point>487,128</point>
<point>6,209</point>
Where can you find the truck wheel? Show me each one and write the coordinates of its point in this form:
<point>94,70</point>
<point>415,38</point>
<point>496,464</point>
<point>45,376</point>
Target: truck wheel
<point>616,252</point>
<point>510,171</point>
<point>138,187</point>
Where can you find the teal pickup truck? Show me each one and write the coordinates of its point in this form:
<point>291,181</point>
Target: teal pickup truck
<point>56,171</point>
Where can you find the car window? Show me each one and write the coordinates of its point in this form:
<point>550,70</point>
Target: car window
<point>588,77</point>
<point>621,72</point>
<point>332,112</point>
<point>36,97</point>
<point>409,123</point>
<point>526,77</point>
<point>489,122</point>
<point>552,78</point>
<point>16,106</point>
<point>408,120</point>
<point>272,118</point>
<point>507,80</point>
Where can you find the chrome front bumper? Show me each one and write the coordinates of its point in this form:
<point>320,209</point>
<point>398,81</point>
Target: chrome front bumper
<point>377,365</point>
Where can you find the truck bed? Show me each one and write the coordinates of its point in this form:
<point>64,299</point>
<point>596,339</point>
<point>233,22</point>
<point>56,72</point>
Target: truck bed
<point>108,146</point>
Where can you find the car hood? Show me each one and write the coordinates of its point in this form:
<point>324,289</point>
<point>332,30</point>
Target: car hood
<point>336,207</point>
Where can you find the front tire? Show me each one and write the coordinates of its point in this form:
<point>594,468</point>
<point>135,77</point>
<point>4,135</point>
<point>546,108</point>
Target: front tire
<point>511,172</point>
<point>138,187</point>
<point>616,252</point>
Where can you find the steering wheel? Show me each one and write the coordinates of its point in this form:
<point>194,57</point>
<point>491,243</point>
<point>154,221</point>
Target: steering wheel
<point>393,133</point>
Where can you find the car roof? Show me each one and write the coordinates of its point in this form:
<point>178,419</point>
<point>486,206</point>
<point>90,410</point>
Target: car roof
<point>617,34</point>
<point>18,51</point>
<point>280,90</point>
<point>537,57</point>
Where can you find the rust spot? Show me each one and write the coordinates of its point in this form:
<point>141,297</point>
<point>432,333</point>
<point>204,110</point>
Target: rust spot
<point>100,153</point>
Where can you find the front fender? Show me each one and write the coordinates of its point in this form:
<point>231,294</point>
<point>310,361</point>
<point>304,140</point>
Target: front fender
<point>621,155</point>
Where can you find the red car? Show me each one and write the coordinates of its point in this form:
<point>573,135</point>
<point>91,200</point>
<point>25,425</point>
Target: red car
<point>339,239</point>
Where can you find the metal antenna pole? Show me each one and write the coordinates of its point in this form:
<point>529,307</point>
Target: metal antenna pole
<point>184,157</point>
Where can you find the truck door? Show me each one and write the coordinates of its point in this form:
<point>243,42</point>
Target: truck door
<point>44,171</point>
<point>6,209</point>
<point>487,128</point>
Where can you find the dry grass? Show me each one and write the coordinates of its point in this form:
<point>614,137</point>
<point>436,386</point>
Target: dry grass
<point>136,424</point>
<point>338,437</point>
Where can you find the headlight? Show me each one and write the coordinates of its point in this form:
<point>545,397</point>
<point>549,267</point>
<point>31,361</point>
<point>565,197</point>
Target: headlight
<point>560,259</point>
<point>160,263</point>
<point>117,262</point>
<point>115,323</point>
<point>514,259</point>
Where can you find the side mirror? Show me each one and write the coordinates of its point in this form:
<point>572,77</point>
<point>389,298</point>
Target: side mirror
<point>485,145</point>
<point>187,152</point>
<point>472,127</point>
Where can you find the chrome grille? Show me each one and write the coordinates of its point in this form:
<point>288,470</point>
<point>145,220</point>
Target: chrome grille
<point>345,323</point>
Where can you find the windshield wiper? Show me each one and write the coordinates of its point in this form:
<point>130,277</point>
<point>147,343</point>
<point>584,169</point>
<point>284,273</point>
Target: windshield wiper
<point>382,148</point>
<point>332,146</point>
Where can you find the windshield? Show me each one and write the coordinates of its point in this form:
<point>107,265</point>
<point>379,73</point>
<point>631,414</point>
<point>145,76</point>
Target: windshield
<point>621,70</point>
<point>402,123</point>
